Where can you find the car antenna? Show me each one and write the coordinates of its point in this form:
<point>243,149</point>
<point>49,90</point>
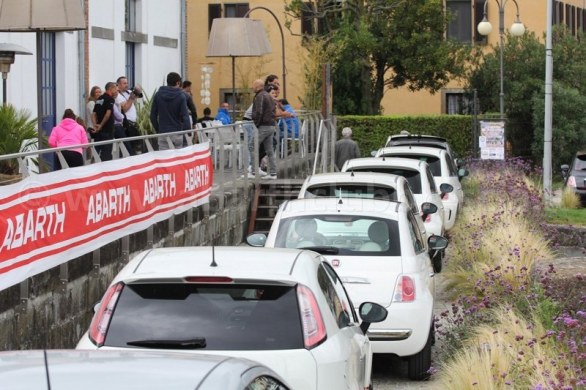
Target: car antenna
<point>214,264</point>
<point>352,172</point>
<point>340,198</point>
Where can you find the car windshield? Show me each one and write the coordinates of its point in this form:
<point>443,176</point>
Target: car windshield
<point>218,317</point>
<point>350,190</point>
<point>413,177</point>
<point>352,235</point>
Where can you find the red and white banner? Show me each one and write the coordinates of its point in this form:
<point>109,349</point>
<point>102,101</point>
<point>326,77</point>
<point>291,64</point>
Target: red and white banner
<point>49,219</point>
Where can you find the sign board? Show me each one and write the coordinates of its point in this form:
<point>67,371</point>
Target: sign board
<point>49,219</point>
<point>492,140</point>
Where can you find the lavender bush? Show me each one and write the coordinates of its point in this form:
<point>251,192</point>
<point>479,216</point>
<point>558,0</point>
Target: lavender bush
<point>507,327</point>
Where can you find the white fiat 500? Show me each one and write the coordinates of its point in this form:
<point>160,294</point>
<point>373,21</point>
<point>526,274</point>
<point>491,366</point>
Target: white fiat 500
<point>378,251</point>
<point>443,169</point>
<point>420,179</point>
<point>286,309</point>
<point>369,185</point>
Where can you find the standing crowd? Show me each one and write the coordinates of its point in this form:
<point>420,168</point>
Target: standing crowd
<point>112,114</point>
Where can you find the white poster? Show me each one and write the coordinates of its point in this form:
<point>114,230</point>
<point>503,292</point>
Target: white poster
<point>492,140</point>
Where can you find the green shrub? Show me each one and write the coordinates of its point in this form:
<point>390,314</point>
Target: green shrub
<point>16,126</point>
<point>371,132</point>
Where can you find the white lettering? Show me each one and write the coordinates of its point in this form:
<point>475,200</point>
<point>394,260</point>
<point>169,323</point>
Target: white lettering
<point>196,177</point>
<point>108,204</point>
<point>32,225</point>
<point>159,187</point>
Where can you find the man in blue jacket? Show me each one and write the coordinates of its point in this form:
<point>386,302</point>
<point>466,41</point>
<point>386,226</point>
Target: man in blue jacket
<point>169,112</point>
<point>223,114</point>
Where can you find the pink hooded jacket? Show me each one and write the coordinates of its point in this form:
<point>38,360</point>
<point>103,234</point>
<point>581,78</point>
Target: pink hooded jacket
<point>68,132</point>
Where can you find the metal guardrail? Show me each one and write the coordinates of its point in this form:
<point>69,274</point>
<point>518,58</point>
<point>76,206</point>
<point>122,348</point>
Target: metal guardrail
<point>229,147</point>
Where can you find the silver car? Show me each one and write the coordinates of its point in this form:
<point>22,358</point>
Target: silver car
<point>88,370</point>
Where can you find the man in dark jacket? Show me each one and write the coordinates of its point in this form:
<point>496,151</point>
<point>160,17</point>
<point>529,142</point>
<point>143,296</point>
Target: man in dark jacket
<point>169,112</point>
<point>263,115</point>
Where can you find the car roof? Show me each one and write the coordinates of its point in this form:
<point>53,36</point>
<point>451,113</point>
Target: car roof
<point>385,161</point>
<point>412,149</point>
<point>353,177</point>
<point>358,206</point>
<point>101,369</point>
<point>237,262</point>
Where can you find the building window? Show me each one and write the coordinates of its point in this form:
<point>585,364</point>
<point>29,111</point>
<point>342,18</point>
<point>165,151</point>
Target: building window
<point>460,27</point>
<point>130,15</point>
<point>48,88</point>
<point>231,10</point>
<point>130,50</point>
<point>307,19</point>
<point>456,103</point>
<point>237,10</point>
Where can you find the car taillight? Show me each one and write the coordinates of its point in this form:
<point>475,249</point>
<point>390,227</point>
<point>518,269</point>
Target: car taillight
<point>404,290</point>
<point>572,181</point>
<point>101,320</point>
<point>314,329</point>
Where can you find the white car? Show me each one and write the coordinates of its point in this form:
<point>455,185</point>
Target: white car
<point>369,185</point>
<point>286,309</point>
<point>420,179</point>
<point>131,370</point>
<point>378,251</point>
<point>444,171</point>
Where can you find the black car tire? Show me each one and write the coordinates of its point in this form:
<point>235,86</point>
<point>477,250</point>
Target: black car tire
<point>420,363</point>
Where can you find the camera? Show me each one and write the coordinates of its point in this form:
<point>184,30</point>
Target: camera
<point>136,92</point>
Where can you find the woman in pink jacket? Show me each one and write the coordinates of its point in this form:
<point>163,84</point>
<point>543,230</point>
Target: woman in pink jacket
<point>68,132</point>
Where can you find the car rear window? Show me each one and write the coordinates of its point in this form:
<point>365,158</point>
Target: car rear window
<point>349,190</point>
<point>413,177</point>
<point>580,162</point>
<point>352,235</point>
<point>434,162</point>
<point>228,317</point>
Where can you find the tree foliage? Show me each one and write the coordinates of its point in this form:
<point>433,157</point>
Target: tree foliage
<point>381,45</point>
<point>524,76</point>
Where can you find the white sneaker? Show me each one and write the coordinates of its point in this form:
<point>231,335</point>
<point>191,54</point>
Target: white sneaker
<point>272,176</point>
<point>251,175</point>
<point>261,173</point>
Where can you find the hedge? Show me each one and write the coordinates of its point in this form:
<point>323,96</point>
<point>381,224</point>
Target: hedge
<point>371,132</point>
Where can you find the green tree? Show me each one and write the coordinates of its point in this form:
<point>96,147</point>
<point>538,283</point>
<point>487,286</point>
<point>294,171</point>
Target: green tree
<point>524,77</point>
<point>17,131</point>
<point>381,45</point>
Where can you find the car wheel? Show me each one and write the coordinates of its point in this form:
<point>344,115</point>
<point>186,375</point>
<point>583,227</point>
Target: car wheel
<point>420,363</point>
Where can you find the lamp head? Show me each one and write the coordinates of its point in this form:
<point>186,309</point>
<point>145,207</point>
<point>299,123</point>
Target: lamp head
<point>484,27</point>
<point>517,28</point>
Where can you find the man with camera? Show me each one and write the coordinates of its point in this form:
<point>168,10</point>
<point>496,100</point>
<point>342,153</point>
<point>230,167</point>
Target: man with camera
<point>125,101</point>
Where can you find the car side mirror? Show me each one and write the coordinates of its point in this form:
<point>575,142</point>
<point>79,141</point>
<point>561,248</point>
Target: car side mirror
<point>446,188</point>
<point>371,312</point>
<point>427,208</point>
<point>460,162</point>
<point>462,173</point>
<point>257,239</point>
<point>437,243</point>
<point>373,153</point>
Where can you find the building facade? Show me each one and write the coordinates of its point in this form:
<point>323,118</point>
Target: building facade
<point>200,15</point>
<point>142,39</point>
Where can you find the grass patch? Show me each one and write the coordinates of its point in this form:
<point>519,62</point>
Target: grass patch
<point>563,216</point>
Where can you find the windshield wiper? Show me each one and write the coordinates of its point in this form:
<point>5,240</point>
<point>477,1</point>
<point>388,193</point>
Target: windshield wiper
<point>195,343</point>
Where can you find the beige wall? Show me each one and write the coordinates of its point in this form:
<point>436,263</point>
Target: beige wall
<point>399,101</point>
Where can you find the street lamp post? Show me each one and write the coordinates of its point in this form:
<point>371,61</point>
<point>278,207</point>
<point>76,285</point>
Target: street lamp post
<point>517,29</point>
<point>7,54</point>
<point>284,69</point>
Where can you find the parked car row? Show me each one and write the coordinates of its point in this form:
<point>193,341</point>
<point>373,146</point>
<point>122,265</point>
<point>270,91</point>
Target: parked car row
<point>346,270</point>
<point>380,224</point>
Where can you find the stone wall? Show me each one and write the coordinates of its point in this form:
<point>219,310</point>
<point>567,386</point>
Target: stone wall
<point>57,312</point>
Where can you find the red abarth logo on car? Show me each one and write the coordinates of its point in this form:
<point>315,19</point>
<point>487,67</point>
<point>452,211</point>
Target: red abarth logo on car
<point>336,263</point>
